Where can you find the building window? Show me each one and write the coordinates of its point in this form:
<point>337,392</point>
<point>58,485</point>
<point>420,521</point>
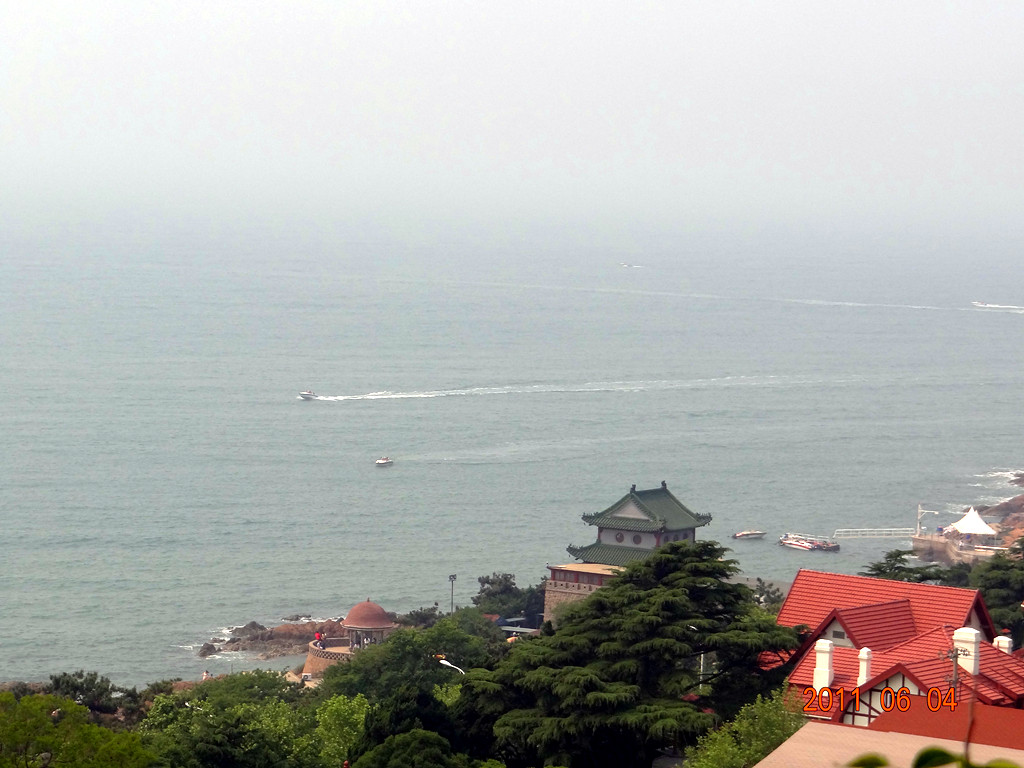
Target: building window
<point>619,537</point>
<point>838,634</point>
<point>637,539</point>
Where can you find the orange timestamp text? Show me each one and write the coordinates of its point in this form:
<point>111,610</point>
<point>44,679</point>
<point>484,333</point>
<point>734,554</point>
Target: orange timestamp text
<point>827,698</point>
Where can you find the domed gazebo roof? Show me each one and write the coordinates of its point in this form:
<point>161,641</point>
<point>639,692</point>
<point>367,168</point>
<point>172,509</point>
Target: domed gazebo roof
<point>368,615</point>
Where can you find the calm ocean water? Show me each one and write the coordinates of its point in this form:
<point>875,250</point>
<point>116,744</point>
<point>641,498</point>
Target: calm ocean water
<point>161,480</point>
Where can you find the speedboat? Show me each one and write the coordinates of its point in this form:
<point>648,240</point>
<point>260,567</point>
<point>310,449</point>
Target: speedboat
<point>309,394</point>
<point>749,535</point>
<point>384,461</point>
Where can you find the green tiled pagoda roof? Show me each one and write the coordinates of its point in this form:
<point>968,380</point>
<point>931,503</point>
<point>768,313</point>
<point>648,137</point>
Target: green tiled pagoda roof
<point>663,510</point>
<point>630,524</point>
<point>606,554</point>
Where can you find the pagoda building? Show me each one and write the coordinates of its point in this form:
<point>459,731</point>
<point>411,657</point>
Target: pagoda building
<point>636,525</point>
<point>630,529</point>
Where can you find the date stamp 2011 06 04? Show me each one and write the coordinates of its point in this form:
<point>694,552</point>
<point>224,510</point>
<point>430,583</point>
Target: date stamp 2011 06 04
<point>888,699</point>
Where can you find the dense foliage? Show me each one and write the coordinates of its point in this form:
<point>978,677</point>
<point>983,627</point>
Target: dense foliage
<point>757,730</point>
<point>43,729</point>
<point>894,566</point>
<point>620,677</point>
<point>408,658</point>
<point>500,595</point>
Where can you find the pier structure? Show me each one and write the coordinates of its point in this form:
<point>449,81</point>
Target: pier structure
<point>969,540</point>
<point>873,533</point>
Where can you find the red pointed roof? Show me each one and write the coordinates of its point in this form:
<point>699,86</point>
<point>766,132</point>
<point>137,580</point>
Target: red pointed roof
<point>1000,679</point>
<point>815,594</point>
<point>878,625</point>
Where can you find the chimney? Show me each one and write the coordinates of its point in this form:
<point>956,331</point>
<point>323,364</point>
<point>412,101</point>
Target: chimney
<point>632,488</point>
<point>823,673</point>
<point>664,485</point>
<point>967,641</point>
<point>1004,643</point>
<point>864,672</point>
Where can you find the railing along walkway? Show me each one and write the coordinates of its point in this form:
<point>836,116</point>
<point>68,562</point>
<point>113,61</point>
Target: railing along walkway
<point>873,533</point>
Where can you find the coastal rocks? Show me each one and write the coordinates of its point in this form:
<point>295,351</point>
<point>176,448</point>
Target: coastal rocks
<point>248,630</point>
<point>282,640</point>
<point>208,649</point>
<point>1011,512</point>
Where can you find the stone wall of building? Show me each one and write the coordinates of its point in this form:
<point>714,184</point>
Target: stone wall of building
<point>319,659</point>
<point>558,592</point>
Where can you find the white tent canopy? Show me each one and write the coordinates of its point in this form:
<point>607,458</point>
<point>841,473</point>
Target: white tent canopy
<point>973,524</point>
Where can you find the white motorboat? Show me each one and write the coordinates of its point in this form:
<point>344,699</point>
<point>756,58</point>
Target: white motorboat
<point>749,535</point>
<point>384,461</point>
<point>309,394</point>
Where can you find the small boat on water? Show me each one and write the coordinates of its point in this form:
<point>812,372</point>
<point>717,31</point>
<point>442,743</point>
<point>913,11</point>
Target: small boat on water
<point>384,461</point>
<point>749,535</point>
<point>808,543</point>
<point>309,394</point>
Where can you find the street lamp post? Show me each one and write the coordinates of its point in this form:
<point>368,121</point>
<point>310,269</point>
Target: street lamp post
<point>451,578</point>
<point>447,663</point>
<point>921,513</point>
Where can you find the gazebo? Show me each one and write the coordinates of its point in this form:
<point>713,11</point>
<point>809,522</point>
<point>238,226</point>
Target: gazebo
<point>367,623</point>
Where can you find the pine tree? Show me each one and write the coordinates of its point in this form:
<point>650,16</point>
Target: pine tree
<point>621,676</point>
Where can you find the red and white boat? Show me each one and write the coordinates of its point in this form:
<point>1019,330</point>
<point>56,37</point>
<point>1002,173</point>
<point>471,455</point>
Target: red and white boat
<point>807,542</point>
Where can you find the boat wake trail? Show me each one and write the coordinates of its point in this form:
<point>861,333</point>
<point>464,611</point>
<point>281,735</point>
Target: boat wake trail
<point>595,387</point>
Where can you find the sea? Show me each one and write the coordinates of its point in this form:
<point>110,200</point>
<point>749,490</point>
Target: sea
<point>161,480</point>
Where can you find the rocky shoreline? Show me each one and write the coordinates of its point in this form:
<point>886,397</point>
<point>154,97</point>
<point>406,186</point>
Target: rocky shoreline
<point>1010,514</point>
<point>289,639</point>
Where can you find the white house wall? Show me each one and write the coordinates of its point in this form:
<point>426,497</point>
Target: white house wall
<point>837,635</point>
<point>871,701</point>
<point>646,540</point>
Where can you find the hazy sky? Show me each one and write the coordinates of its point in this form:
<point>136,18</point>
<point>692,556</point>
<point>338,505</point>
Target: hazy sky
<point>588,115</point>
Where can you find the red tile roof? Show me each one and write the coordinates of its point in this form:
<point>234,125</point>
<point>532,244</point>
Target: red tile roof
<point>879,625</point>
<point>922,658</point>
<point>815,594</point>
<point>984,724</point>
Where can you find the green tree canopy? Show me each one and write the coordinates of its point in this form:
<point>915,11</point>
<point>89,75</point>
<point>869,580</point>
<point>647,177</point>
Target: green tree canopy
<point>339,725</point>
<point>757,730</point>
<point>44,729</point>
<point>620,677</point>
<point>408,657</point>
<point>894,566</point>
<point>499,594</point>
<point>246,720</point>
<point>1000,579</point>
<point>414,749</point>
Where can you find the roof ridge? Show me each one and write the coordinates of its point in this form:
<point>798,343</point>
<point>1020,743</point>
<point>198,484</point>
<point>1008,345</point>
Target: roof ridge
<point>874,605</point>
<point>893,581</point>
